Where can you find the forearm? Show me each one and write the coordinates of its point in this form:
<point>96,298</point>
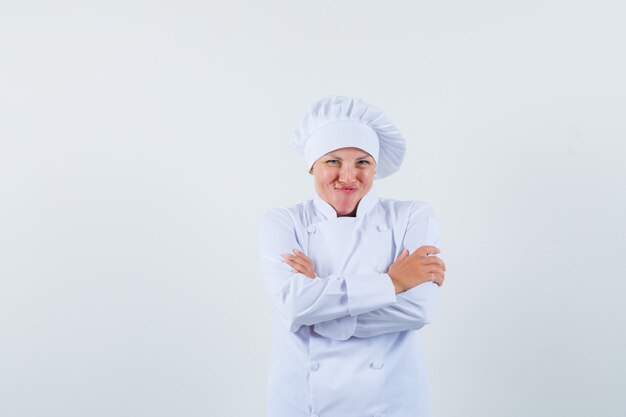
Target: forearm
<point>412,310</point>
<point>305,301</point>
<point>301,300</point>
<point>414,307</point>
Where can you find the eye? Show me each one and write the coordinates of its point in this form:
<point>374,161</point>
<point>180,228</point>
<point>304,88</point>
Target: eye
<point>332,161</point>
<point>364,162</point>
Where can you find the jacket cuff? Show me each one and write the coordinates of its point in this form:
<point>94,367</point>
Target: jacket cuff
<point>367,292</point>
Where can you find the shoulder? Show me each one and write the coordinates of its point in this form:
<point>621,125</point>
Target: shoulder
<point>287,216</point>
<point>414,209</point>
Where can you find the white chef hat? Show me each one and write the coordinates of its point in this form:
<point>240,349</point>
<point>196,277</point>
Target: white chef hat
<point>336,122</point>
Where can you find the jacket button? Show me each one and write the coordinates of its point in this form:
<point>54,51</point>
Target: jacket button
<point>377,365</point>
<point>314,366</point>
<point>311,228</point>
<point>382,228</point>
<point>339,277</point>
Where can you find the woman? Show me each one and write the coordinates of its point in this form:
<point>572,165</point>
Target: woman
<point>352,276</point>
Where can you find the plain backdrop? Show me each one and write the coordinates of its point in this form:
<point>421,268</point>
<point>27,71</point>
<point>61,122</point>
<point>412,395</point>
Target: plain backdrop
<point>141,141</point>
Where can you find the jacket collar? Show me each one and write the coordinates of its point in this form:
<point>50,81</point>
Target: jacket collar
<point>368,201</point>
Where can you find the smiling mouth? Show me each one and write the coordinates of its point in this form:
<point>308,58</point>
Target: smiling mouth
<point>346,190</point>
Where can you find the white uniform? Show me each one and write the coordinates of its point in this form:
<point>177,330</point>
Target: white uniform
<point>344,344</point>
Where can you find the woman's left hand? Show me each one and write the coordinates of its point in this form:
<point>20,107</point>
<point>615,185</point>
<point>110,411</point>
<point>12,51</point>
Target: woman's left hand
<point>300,263</point>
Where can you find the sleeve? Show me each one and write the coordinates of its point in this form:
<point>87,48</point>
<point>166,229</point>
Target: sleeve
<point>300,300</point>
<point>414,308</point>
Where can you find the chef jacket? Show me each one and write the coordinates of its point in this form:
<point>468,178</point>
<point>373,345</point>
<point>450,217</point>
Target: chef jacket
<point>344,344</point>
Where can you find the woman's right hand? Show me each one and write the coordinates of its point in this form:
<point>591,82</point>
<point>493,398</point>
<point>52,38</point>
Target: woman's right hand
<point>300,263</point>
<point>409,271</point>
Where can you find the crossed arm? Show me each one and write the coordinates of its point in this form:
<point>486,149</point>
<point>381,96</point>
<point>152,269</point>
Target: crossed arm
<point>342,306</point>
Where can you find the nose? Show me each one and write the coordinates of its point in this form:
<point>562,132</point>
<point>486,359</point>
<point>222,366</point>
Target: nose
<point>347,174</point>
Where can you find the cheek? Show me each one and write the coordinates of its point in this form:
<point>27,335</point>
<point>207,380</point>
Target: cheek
<point>323,180</point>
<point>327,177</point>
<point>367,176</point>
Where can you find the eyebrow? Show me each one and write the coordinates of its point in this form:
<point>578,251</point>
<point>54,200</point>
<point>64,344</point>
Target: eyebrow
<point>341,159</point>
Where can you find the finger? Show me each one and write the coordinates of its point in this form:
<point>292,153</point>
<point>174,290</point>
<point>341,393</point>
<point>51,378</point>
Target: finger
<point>302,256</point>
<point>429,260</point>
<point>429,269</point>
<point>297,267</point>
<point>403,254</point>
<point>436,269</point>
<point>438,278</point>
<point>287,257</point>
<point>294,260</point>
<point>425,250</point>
<point>299,260</point>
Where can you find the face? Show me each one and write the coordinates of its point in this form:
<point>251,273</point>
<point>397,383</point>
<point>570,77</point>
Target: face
<point>343,177</point>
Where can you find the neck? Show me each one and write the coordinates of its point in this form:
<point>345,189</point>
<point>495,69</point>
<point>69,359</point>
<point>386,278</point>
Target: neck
<point>352,214</point>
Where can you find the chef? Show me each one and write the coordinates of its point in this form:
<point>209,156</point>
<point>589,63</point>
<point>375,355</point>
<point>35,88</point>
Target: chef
<point>352,276</point>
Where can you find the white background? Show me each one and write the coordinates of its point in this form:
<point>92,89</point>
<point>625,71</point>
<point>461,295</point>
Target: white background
<point>140,142</point>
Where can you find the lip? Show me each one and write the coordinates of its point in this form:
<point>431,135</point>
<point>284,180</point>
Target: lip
<point>347,190</point>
